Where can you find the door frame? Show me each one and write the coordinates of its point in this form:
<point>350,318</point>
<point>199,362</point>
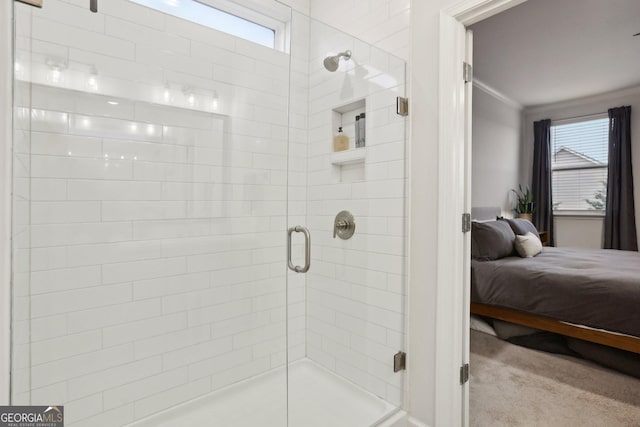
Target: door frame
<point>454,153</point>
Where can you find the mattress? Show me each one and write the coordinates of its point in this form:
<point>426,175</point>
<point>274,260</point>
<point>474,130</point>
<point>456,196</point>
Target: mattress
<point>595,288</point>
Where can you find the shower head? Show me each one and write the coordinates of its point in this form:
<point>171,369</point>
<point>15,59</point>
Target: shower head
<point>331,63</point>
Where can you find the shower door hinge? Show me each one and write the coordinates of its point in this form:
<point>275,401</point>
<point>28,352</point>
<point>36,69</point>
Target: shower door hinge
<point>36,3</point>
<point>467,72</point>
<point>399,361</point>
<point>466,222</point>
<point>402,106</point>
<point>464,373</point>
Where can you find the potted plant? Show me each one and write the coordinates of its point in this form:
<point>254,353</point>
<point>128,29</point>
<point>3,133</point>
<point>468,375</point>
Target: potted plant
<point>524,202</point>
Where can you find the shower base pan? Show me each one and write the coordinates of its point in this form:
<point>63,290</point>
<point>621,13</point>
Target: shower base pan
<point>317,398</point>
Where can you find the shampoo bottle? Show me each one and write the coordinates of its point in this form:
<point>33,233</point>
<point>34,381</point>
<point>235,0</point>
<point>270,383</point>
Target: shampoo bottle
<point>340,141</point>
<point>362,131</point>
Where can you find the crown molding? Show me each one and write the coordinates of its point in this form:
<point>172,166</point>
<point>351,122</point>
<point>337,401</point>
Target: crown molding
<point>468,12</point>
<point>479,84</point>
<point>591,99</point>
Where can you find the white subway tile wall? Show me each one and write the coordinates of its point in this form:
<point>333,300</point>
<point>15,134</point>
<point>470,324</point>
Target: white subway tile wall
<point>151,205</point>
<point>382,23</point>
<point>356,287</point>
<point>23,256</point>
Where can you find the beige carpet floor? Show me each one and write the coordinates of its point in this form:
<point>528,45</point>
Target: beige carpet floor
<point>517,386</point>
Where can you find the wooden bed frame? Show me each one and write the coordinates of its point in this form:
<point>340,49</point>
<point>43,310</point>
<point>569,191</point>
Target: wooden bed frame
<point>623,342</point>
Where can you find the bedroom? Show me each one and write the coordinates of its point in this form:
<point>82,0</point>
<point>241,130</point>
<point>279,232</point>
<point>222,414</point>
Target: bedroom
<point>541,60</point>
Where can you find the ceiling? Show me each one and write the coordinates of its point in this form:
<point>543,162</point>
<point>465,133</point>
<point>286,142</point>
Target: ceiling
<point>546,51</point>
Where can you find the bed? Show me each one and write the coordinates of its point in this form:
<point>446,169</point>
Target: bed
<point>591,295</point>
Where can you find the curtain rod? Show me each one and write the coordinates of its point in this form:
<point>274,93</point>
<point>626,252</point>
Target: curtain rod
<point>605,113</point>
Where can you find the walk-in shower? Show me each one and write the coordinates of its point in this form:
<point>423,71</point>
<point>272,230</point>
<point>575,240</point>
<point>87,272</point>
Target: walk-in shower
<point>158,163</point>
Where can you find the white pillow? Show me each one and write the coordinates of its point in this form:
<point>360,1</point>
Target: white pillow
<point>528,245</point>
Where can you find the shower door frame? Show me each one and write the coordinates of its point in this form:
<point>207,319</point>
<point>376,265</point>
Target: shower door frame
<point>6,136</point>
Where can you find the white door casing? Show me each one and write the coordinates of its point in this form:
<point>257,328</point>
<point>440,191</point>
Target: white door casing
<point>451,187</point>
<point>454,198</point>
<point>466,256</point>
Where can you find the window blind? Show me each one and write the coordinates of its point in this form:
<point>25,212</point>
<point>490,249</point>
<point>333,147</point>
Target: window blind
<point>579,160</point>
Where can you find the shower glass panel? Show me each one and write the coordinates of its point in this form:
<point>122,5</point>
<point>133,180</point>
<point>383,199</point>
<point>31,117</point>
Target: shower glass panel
<point>150,170</point>
<point>158,164</point>
<point>347,314</point>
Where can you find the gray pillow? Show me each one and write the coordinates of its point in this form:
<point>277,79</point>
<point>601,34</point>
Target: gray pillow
<point>521,226</point>
<point>491,240</point>
<point>506,330</point>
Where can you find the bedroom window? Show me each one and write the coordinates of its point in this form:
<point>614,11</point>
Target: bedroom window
<point>579,163</point>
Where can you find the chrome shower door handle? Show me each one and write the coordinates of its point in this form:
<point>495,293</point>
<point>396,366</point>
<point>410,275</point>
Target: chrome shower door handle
<point>307,249</point>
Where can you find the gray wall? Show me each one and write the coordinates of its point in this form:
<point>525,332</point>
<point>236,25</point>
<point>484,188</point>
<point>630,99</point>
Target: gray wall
<point>496,151</point>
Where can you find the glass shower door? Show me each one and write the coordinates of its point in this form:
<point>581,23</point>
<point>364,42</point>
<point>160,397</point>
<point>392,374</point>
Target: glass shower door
<point>150,203</point>
<point>349,309</point>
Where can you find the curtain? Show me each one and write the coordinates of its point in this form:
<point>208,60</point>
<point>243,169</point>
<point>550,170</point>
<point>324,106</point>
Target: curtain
<point>620,221</point>
<point>541,178</point>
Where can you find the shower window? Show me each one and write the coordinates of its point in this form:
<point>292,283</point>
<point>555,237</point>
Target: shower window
<point>227,17</point>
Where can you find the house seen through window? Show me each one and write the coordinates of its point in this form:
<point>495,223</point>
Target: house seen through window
<point>579,163</point>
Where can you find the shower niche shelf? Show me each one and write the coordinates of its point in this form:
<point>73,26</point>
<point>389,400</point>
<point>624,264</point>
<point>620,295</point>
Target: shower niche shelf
<point>349,157</point>
<point>345,116</point>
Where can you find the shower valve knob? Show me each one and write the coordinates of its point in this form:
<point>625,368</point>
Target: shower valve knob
<point>339,225</point>
<point>344,225</point>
